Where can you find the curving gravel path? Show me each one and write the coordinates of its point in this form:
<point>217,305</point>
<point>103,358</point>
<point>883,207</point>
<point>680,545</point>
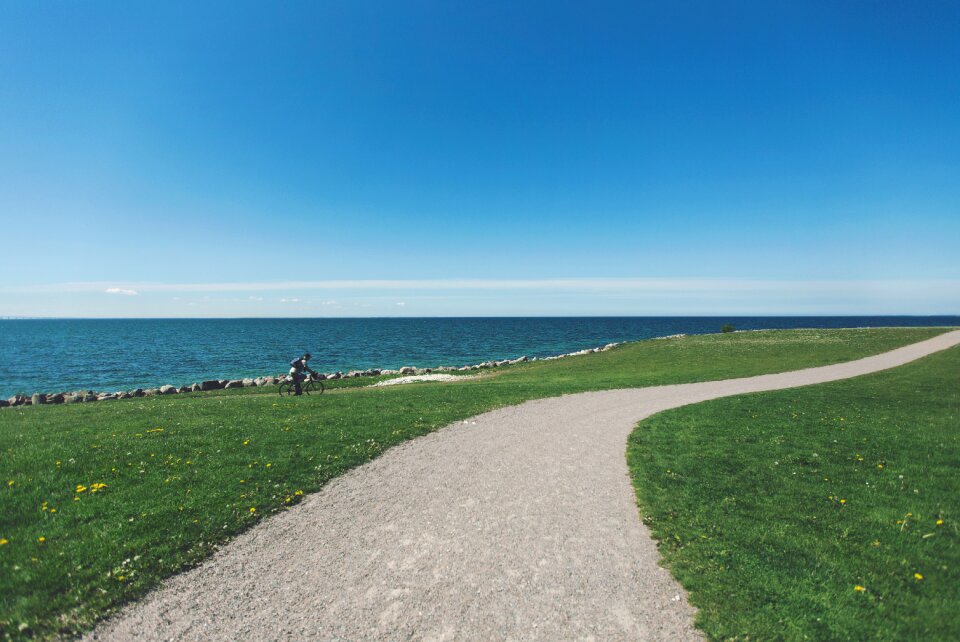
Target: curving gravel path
<point>518,524</point>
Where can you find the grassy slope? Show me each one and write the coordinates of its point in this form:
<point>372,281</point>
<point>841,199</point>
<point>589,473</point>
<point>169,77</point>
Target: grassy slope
<point>773,508</point>
<point>173,494</point>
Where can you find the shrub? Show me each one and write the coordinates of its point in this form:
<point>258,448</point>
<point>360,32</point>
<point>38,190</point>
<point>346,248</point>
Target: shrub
<point>727,328</point>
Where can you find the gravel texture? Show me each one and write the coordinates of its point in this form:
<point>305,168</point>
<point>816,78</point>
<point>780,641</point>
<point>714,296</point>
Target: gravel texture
<point>416,378</point>
<point>518,524</point>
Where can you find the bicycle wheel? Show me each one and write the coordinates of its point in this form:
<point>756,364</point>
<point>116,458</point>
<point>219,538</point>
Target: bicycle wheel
<point>286,387</point>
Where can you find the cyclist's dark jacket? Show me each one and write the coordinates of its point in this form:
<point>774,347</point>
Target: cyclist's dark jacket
<point>299,365</point>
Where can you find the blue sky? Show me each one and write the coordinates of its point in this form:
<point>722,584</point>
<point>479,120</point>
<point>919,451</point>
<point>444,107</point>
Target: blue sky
<point>342,159</point>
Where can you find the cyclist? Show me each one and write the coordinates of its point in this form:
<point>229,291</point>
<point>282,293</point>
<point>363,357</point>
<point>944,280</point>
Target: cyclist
<point>297,367</point>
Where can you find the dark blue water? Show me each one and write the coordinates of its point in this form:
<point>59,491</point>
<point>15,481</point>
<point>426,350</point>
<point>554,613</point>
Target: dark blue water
<point>115,354</point>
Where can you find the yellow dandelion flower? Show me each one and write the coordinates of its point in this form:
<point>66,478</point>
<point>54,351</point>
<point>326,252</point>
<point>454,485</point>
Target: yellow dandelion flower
<point>41,539</point>
<point>53,510</point>
<point>253,510</point>
<point>880,466</point>
<point>120,578</point>
<point>246,441</point>
<point>876,542</point>
<point>859,589</point>
<point>917,576</point>
<point>269,465</point>
<point>939,522</point>
<point>843,501</point>
<point>3,541</point>
<point>298,493</point>
<point>81,488</point>
<point>10,482</point>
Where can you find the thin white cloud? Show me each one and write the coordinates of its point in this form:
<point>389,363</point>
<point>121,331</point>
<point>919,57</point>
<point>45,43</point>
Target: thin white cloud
<point>585,284</point>
<point>401,303</point>
<point>121,291</point>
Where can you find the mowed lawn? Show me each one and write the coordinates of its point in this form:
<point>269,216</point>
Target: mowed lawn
<point>100,502</point>
<point>830,512</point>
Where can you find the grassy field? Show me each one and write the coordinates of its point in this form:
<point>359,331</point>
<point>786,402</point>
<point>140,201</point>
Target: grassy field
<point>100,502</point>
<point>823,513</point>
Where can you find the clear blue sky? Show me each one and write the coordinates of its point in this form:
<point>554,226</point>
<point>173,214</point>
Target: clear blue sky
<point>690,158</point>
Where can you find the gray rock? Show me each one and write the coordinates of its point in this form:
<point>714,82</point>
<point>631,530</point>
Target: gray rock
<point>335,375</point>
<point>223,382</point>
<point>211,385</point>
<point>89,397</point>
<point>4,403</point>
<point>38,399</point>
<point>18,400</point>
<point>167,390</point>
<point>234,383</point>
<point>55,398</point>
<point>407,370</point>
<point>247,383</point>
<point>124,395</point>
<point>137,393</point>
<point>196,388</point>
<point>72,398</point>
<point>150,392</point>
<point>106,396</point>
<point>183,389</point>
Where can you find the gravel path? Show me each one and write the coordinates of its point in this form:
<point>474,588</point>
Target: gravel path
<point>518,524</point>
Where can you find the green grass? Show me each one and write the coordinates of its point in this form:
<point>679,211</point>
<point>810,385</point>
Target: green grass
<point>183,472</point>
<point>772,508</point>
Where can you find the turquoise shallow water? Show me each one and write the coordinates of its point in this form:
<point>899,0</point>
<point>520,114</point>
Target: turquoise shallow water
<point>117,354</point>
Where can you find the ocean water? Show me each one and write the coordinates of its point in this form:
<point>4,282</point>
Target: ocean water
<point>48,355</point>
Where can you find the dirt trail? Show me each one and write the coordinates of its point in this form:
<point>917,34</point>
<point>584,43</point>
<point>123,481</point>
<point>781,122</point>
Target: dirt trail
<point>520,523</point>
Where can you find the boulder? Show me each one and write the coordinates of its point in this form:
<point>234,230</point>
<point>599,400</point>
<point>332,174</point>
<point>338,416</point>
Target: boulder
<point>407,370</point>
<point>106,396</point>
<point>167,390</point>
<point>196,388</point>
<point>72,398</point>
<point>124,395</point>
<point>183,389</point>
<point>335,375</point>
<point>247,383</point>
<point>150,392</point>
<point>210,385</point>
<point>4,403</point>
<point>55,398</point>
<point>223,382</point>
<point>234,383</point>
<point>38,399</point>
<point>18,400</point>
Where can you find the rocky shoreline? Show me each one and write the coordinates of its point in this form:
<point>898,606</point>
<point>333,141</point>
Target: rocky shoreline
<point>89,396</point>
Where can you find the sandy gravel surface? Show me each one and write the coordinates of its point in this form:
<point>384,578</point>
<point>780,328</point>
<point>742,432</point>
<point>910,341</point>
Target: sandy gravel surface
<point>425,377</point>
<point>519,524</point>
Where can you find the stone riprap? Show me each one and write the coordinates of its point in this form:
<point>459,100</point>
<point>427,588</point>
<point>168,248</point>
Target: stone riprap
<point>87,396</point>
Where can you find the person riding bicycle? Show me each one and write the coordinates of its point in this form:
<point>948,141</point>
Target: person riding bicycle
<point>297,367</point>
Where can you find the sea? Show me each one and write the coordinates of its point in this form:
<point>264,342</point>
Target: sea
<point>54,355</point>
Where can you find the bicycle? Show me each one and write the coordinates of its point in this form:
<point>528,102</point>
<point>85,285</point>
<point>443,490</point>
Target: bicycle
<point>308,385</point>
